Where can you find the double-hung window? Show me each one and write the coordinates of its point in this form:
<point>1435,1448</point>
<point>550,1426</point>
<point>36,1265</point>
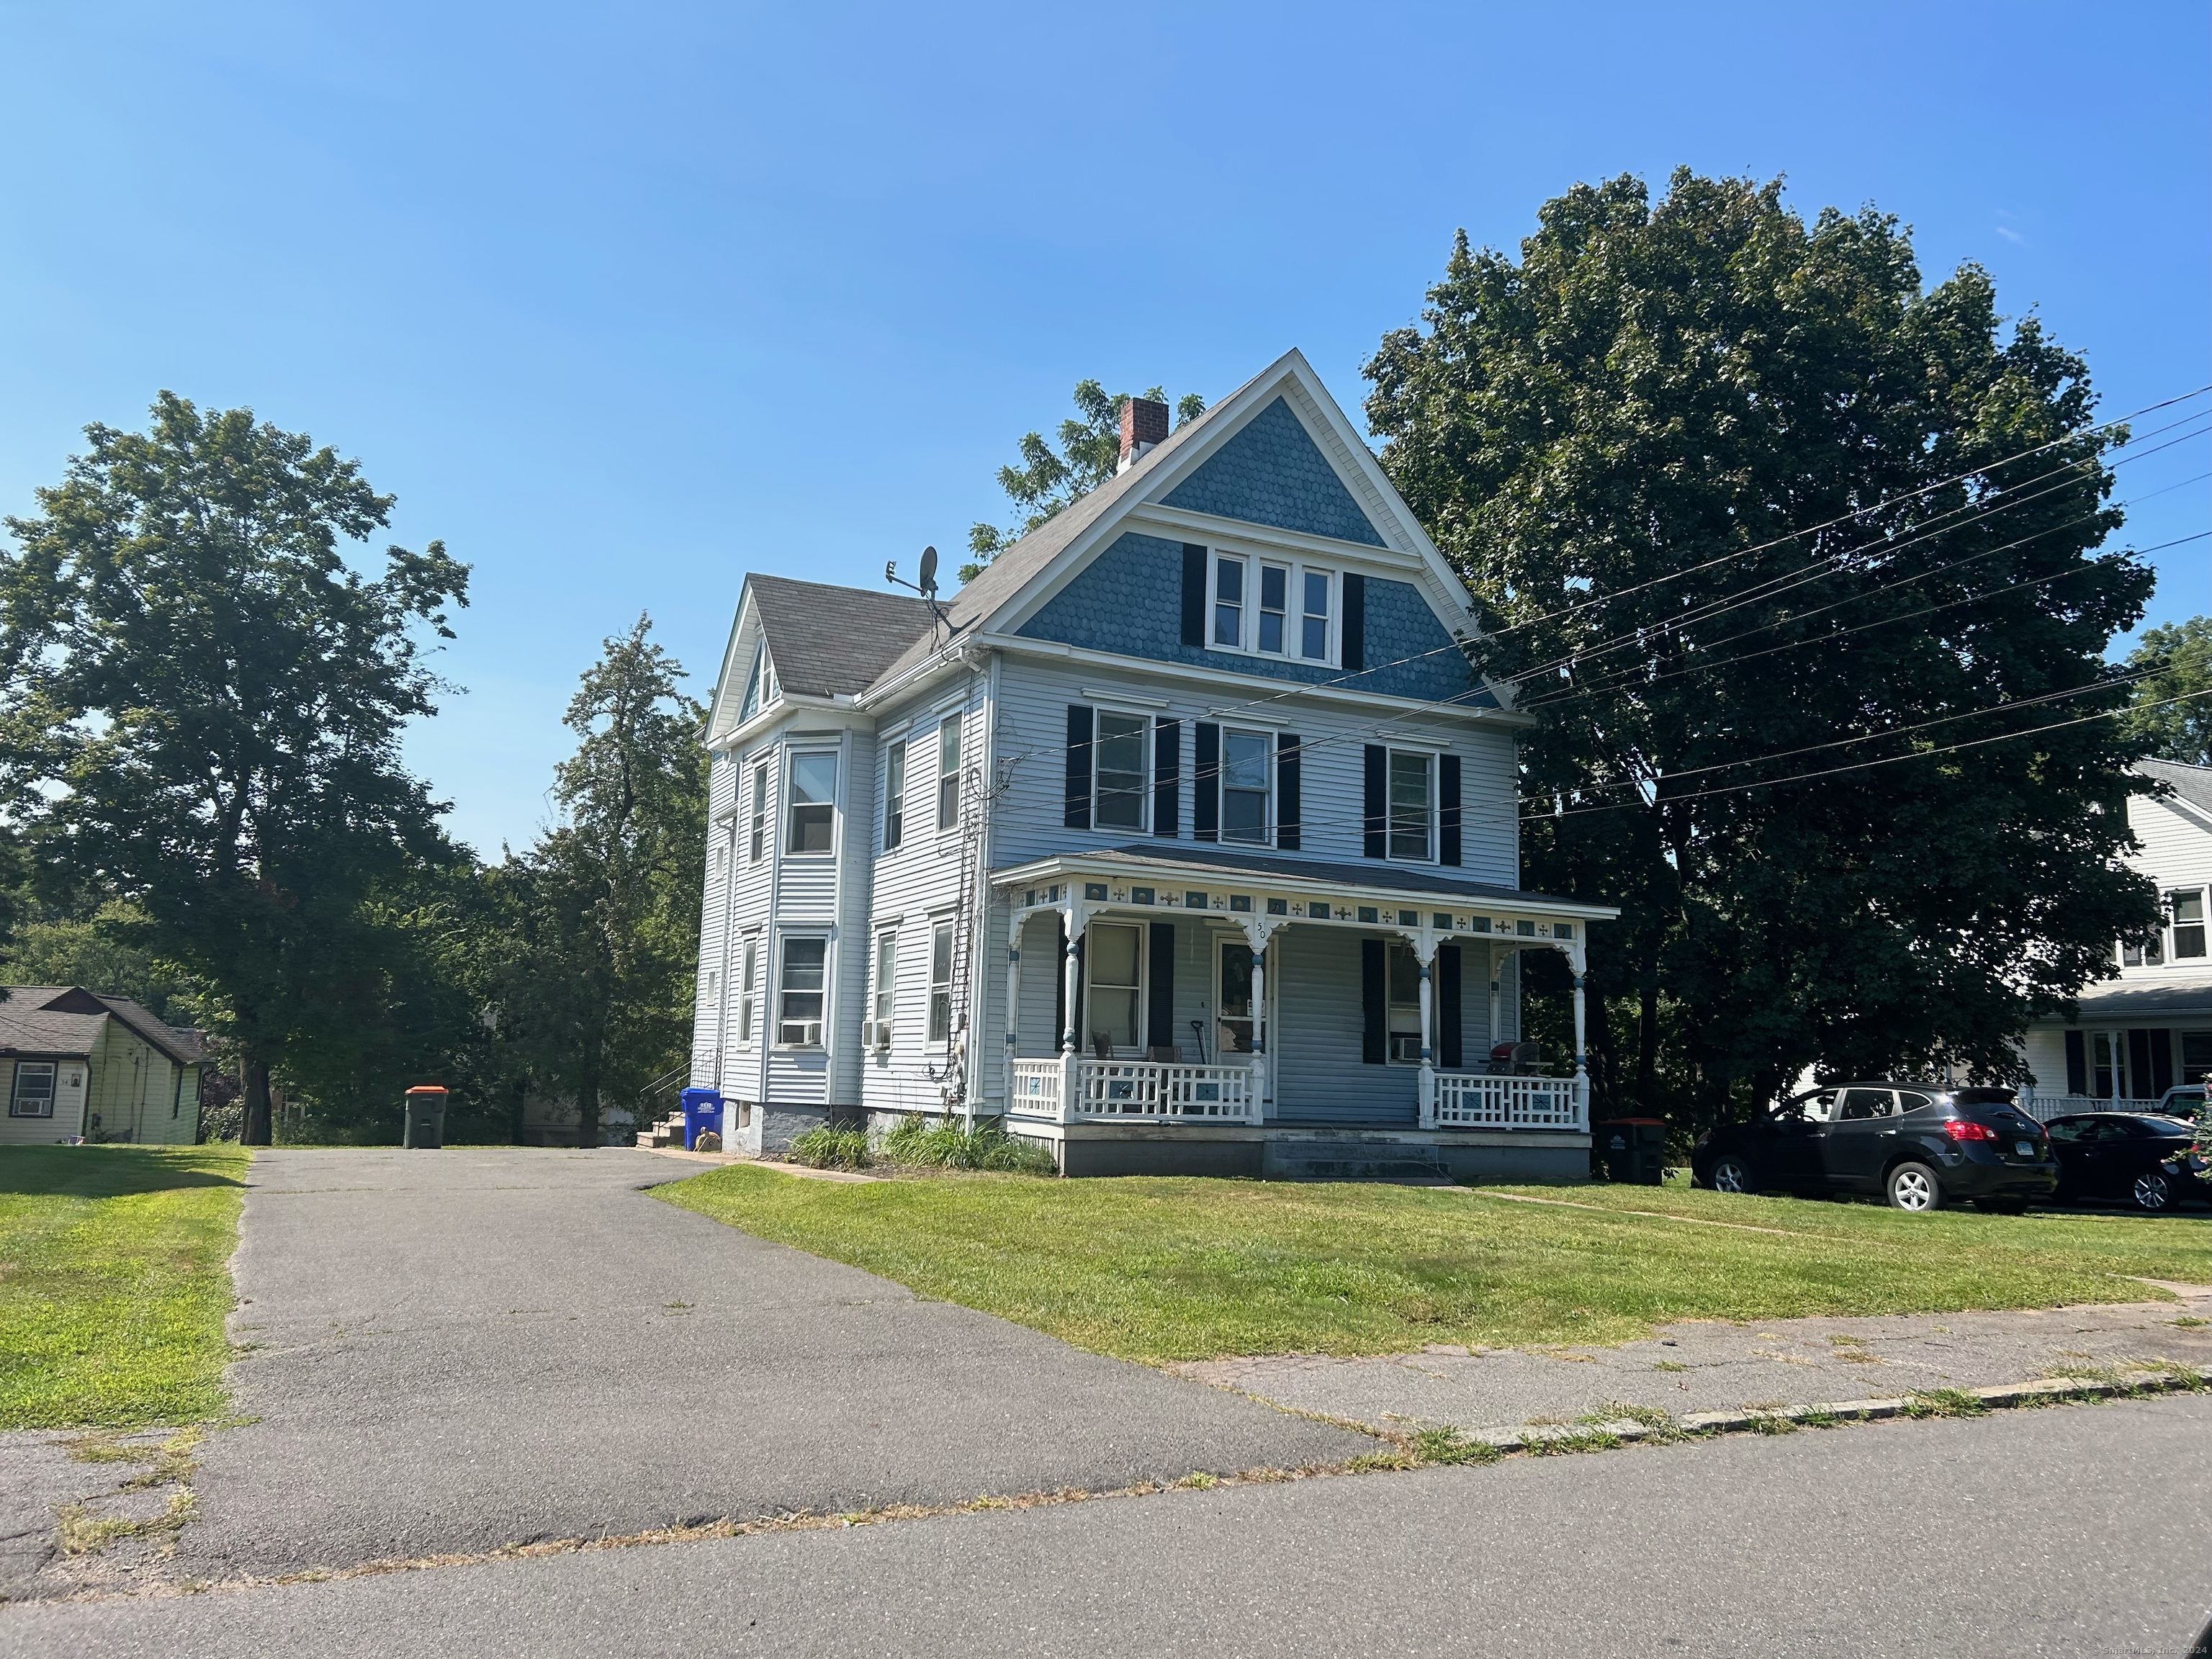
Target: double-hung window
<point>1405,1003</point>
<point>1113,964</point>
<point>33,1093</point>
<point>1268,608</point>
<point>760,812</point>
<point>894,796</point>
<point>1120,771</point>
<point>1247,765</point>
<point>2188,910</point>
<point>799,1012</point>
<point>884,992</point>
<point>948,773</point>
<point>940,983</point>
<point>1411,797</point>
<point>813,802</point>
<point>748,989</point>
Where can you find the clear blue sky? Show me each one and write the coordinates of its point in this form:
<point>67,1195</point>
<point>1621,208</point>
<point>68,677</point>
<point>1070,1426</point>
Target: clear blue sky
<point>622,300</point>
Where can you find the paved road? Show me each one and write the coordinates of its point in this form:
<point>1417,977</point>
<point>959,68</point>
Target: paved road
<point>2076,1531</point>
<point>460,1350</point>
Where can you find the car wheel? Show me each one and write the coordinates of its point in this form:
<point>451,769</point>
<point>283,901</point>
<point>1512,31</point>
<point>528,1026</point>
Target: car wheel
<point>2152,1192</point>
<point>1732,1175</point>
<point>1914,1187</point>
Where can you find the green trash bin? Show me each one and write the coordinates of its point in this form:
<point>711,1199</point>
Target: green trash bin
<point>425,1124</point>
<point>1632,1150</point>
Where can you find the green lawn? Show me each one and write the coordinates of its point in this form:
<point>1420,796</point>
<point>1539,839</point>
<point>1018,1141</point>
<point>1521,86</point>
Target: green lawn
<point>114,1280</point>
<point>1187,1269</point>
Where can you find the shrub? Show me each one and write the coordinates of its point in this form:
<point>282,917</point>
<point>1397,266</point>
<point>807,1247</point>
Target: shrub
<point>946,1145</point>
<point>831,1146</point>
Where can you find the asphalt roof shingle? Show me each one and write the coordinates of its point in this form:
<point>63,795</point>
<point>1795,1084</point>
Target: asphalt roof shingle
<point>828,640</point>
<point>2192,783</point>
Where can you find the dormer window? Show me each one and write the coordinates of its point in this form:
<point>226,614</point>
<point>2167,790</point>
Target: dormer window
<point>760,685</point>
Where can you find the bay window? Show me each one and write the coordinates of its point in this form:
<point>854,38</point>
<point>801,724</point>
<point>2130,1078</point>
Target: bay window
<point>813,802</point>
<point>799,1012</point>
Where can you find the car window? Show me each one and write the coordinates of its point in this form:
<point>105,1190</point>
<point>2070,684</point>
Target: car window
<point>2064,1129</point>
<point>1866,1103</point>
<point>1819,1109</point>
<point>1911,1100</point>
<point>2101,1130</point>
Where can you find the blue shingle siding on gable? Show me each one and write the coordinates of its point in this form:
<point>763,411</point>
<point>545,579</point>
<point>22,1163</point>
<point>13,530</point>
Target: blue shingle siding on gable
<point>1271,473</point>
<point>1127,600</point>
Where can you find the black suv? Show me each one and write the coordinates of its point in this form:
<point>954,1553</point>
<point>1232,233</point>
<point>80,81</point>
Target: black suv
<point>1918,1148</point>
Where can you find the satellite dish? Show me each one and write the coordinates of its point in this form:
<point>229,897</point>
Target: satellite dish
<point>929,570</point>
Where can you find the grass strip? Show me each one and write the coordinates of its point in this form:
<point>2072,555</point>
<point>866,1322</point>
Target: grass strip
<point>114,1283</point>
<point>1189,1267</point>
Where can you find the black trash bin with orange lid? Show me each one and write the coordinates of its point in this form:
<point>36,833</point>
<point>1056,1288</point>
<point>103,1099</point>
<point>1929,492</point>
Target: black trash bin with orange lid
<point>426,1117</point>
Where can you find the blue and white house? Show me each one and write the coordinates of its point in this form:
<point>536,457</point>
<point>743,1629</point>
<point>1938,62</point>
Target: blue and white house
<point>1182,838</point>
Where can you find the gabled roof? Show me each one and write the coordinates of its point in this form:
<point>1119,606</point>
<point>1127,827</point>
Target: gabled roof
<point>66,1019</point>
<point>2192,783</point>
<point>827,641</point>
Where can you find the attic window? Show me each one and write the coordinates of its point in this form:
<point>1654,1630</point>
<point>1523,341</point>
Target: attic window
<point>1263,608</point>
<point>760,685</point>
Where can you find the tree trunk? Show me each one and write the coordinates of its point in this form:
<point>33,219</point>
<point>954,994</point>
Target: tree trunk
<point>255,1131</point>
<point>1647,1042</point>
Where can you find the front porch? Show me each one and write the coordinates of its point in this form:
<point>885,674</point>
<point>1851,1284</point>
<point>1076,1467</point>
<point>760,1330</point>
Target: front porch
<point>1235,1003</point>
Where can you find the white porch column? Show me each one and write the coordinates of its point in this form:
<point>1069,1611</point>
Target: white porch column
<point>1073,918</point>
<point>1014,926</point>
<point>1580,966</point>
<point>1258,930</point>
<point>1496,994</point>
<point>1424,951</point>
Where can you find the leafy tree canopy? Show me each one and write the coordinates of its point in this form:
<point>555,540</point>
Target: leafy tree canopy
<point>1643,443</point>
<point>1048,482</point>
<point>203,702</point>
<point>2176,662</point>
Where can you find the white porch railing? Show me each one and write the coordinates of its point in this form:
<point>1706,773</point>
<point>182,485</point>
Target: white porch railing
<point>1121,1090</point>
<point>2043,1108</point>
<point>1476,1100</point>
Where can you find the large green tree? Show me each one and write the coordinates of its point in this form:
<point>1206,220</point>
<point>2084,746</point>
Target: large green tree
<point>605,906</point>
<point>2173,711</point>
<point>1729,485</point>
<point>1048,481</point>
<point>204,698</point>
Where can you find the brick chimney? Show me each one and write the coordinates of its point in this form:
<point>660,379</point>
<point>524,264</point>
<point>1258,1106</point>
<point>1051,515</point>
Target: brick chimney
<point>1144,423</point>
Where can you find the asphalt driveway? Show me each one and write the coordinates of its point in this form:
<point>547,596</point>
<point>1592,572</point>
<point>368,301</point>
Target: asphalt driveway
<point>454,1351</point>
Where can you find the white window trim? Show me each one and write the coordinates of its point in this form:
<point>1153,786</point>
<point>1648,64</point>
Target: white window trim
<point>15,1089</point>
<point>749,959</point>
<point>958,718</point>
<point>883,999</point>
<point>759,809</point>
<point>1248,643</point>
<point>791,757</point>
<point>1221,785</point>
<point>1150,726</point>
<point>1144,984</point>
<point>905,794</point>
<point>784,941</point>
<point>945,920</point>
<point>1433,755</point>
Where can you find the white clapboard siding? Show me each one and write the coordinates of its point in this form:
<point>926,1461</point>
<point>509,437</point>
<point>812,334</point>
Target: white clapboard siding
<point>1034,699</point>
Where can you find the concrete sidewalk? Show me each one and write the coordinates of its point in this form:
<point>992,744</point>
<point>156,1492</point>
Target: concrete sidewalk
<point>1699,1365</point>
<point>457,1350</point>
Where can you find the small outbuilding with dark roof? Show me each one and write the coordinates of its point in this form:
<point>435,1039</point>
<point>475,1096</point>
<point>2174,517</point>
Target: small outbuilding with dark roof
<point>75,1063</point>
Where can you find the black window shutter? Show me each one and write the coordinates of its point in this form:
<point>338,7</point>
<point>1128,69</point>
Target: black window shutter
<point>1167,777</point>
<point>1373,1015</point>
<point>2077,1064</point>
<point>1448,809</point>
<point>1376,819</point>
<point>1449,1049</point>
<point>2139,1068</point>
<point>1194,594</point>
<point>1159,998</point>
<point>1355,622</point>
<point>1289,770</point>
<point>1078,816</point>
<point>1206,783</point>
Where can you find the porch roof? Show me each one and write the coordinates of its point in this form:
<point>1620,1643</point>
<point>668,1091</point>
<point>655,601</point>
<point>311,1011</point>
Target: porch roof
<point>1214,865</point>
<point>2186,999</point>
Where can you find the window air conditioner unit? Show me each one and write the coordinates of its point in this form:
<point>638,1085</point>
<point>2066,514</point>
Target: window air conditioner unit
<point>799,1034</point>
<point>876,1034</point>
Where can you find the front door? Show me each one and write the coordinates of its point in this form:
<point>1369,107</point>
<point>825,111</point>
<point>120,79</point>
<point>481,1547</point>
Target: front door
<point>1861,1139</point>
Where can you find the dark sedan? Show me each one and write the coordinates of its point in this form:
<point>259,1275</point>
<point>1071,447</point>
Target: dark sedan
<point>2134,1157</point>
<point>1918,1148</point>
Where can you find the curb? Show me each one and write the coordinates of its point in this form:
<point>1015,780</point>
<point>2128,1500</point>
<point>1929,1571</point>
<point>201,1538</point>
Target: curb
<point>2048,1390</point>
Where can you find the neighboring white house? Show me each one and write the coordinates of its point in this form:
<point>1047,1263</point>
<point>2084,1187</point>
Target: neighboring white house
<point>2150,1026</point>
<point>1182,838</point>
<point>78,1065</point>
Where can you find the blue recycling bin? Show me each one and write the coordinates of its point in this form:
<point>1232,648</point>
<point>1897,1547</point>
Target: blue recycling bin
<point>702,1110</point>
